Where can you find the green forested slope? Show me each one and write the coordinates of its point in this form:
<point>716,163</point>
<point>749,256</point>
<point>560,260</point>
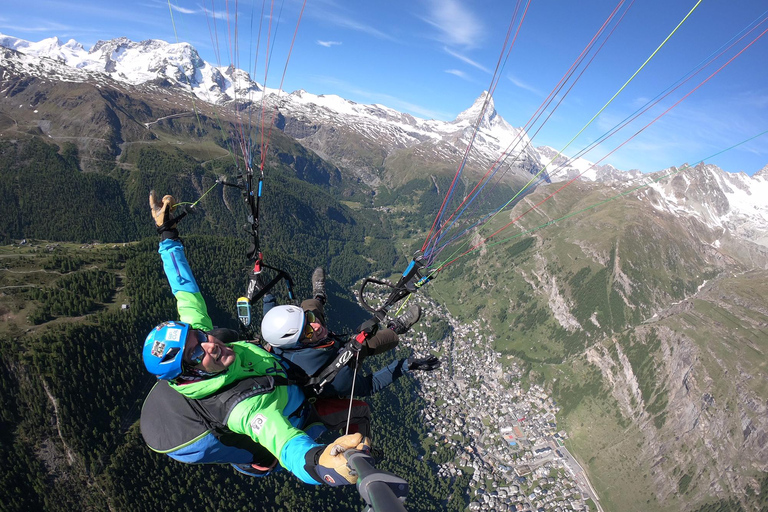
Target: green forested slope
<point>86,451</point>
<point>71,376</point>
<point>46,196</point>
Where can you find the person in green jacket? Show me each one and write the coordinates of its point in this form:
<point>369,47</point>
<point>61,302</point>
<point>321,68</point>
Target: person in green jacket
<point>238,386</point>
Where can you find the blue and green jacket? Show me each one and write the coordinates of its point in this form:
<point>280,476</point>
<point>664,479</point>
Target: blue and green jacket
<point>271,419</point>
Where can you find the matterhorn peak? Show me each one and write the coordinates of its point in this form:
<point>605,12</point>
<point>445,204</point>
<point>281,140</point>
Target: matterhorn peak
<point>489,122</point>
<point>484,104</point>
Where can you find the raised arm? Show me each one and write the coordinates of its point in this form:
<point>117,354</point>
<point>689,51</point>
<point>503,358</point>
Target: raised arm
<point>189,302</point>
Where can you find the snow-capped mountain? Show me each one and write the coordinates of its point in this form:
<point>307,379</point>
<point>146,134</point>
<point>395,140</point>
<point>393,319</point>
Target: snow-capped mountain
<point>327,124</point>
<point>155,62</point>
<point>378,144</point>
<point>321,121</point>
<point>725,202</point>
<point>138,63</point>
<point>562,168</point>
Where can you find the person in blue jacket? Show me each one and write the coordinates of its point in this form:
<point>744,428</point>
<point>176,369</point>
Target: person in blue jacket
<point>299,335</point>
<point>238,388</point>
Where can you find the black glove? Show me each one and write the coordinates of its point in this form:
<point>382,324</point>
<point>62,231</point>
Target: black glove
<point>426,364</point>
<point>161,212</point>
<point>369,327</point>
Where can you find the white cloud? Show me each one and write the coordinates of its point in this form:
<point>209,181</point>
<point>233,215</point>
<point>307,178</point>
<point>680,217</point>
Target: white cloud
<point>219,15</point>
<point>457,25</point>
<point>183,10</point>
<point>466,59</point>
<point>525,86</point>
<point>349,23</point>
<point>163,5</point>
<point>458,73</point>
<point>328,44</point>
<point>44,27</point>
<point>752,99</point>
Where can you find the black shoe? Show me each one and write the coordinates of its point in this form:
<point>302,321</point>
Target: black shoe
<point>405,321</point>
<point>318,284</point>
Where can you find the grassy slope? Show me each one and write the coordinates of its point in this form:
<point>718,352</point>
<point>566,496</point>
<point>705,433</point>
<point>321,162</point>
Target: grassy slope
<point>21,273</point>
<point>646,263</point>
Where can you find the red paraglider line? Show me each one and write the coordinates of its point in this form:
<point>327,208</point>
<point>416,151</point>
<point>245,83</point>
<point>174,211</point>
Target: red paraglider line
<point>476,246</point>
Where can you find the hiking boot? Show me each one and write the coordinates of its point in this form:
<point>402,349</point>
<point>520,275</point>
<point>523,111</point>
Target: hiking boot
<point>405,321</point>
<point>318,284</point>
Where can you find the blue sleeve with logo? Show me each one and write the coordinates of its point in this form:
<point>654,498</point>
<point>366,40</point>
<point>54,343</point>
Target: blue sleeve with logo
<point>189,302</point>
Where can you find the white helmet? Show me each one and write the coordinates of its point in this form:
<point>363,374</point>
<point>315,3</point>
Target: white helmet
<point>283,326</point>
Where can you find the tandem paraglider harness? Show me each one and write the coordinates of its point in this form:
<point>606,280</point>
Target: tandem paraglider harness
<point>380,490</point>
<point>409,281</point>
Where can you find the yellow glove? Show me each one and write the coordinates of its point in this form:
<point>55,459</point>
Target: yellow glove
<point>161,213</point>
<point>332,466</point>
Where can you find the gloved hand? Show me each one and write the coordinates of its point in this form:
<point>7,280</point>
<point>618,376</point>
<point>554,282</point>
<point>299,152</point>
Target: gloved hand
<point>426,364</point>
<point>161,212</point>
<point>369,327</point>
<point>332,466</point>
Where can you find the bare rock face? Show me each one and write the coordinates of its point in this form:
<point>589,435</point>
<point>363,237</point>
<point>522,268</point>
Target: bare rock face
<point>701,411</point>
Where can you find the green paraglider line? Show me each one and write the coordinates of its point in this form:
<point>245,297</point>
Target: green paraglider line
<point>602,109</point>
<point>453,256</point>
<point>623,143</point>
<point>625,193</point>
<point>200,198</point>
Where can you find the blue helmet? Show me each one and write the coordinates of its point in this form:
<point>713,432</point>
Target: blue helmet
<point>164,349</point>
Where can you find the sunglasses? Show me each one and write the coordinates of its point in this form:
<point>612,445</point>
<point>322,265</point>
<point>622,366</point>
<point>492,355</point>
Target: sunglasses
<point>197,355</point>
<point>308,329</point>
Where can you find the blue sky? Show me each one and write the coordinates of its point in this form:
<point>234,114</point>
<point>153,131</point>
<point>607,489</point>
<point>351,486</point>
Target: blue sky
<point>433,58</point>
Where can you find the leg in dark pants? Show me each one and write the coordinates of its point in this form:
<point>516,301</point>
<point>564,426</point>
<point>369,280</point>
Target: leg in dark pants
<point>333,412</point>
<point>317,307</point>
<point>383,341</point>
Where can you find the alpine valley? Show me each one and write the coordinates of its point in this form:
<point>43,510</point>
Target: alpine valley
<point>637,302</point>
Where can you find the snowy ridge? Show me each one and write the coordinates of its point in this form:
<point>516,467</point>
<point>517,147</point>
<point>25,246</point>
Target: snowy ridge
<point>154,62</point>
<point>138,63</point>
<point>562,168</point>
<point>396,129</point>
<point>736,203</point>
<point>720,200</point>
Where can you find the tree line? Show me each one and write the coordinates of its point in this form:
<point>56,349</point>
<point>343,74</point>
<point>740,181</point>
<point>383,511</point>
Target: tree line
<point>93,371</point>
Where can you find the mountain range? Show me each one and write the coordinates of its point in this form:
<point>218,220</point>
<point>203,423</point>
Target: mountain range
<point>378,144</point>
<point>641,301</point>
